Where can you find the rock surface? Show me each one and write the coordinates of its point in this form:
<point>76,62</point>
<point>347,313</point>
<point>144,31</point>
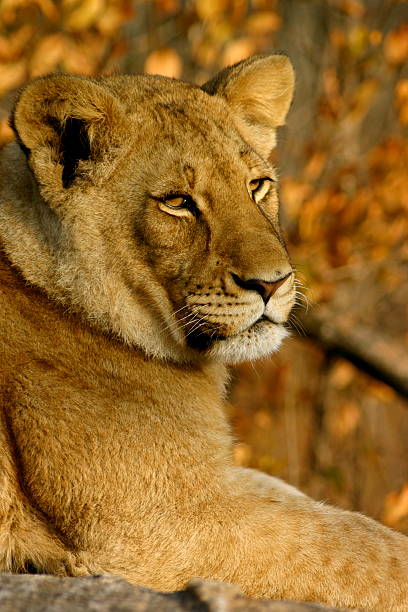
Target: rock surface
<point>105,593</point>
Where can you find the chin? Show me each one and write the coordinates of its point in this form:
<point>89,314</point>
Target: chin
<point>261,339</point>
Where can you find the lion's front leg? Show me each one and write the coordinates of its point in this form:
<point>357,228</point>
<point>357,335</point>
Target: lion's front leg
<point>297,548</point>
<point>274,542</point>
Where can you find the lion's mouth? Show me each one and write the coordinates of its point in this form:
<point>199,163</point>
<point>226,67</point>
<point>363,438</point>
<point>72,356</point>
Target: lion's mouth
<point>262,321</point>
<point>202,340</point>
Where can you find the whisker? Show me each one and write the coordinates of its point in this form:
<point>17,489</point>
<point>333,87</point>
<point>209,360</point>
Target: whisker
<point>180,309</point>
<point>303,297</point>
<point>293,326</point>
<point>175,324</point>
<point>201,323</point>
<point>255,370</point>
<point>297,324</point>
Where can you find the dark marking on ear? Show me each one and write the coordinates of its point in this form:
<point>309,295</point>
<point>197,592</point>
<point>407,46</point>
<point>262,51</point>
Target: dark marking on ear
<point>75,146</point>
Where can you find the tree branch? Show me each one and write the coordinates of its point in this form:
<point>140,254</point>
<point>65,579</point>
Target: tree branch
<point>371,352</point>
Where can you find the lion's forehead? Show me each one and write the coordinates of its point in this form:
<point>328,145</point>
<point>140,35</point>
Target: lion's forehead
<point>177,111</point>
<point>194,127</point>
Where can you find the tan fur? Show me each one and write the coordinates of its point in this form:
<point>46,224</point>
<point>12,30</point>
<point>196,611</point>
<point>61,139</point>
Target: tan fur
<point>119,307</point>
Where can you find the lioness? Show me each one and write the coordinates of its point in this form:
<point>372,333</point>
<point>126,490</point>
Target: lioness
<point>141,252</point>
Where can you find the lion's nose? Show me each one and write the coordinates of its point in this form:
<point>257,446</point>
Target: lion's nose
<point>265,288</point>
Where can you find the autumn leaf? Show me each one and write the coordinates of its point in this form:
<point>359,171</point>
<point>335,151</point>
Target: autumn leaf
<point>396,506</point>
<point>210,9</point>
<point>396,45</point>
<point>6,133</point>
<point>166,62</point>
<point>262,23</point>
<point>81,15</point>
<point>12,46</point>
<point>11,75</point>
<point>353,8</point>
<point>401,95</point>
<point>47,54</point>
<point>237,50</point>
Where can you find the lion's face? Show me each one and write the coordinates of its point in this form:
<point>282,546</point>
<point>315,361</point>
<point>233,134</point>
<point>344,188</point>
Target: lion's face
<point>167,208</point>
<point>208,226</point>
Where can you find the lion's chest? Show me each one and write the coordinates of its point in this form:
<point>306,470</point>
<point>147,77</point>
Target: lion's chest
<point>102,452</point>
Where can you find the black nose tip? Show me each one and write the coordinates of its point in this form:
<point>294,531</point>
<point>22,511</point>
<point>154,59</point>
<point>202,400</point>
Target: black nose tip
<point>266,289</point>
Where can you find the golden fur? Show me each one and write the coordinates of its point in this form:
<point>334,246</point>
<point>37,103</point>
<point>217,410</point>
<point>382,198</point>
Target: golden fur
<point>141,251</point>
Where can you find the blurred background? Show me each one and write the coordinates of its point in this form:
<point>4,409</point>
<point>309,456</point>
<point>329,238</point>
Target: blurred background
<point>329,413</point>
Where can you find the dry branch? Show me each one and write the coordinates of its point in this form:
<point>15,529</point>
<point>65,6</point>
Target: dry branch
<point>363,346</point>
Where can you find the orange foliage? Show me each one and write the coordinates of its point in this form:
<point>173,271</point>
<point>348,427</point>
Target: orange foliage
<point>396,507</point>
<point>41,36</point>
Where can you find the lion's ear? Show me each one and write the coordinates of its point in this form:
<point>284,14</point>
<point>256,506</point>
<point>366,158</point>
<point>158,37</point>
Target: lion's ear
<point>259,91</point>
<point>65,124</point>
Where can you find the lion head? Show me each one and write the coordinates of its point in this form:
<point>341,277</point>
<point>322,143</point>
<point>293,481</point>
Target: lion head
<point>149,205</point>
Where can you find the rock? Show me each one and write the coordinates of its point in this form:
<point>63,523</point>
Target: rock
<point>106,593</point>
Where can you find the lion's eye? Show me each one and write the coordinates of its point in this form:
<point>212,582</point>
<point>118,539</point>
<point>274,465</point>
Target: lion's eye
<point>181,205</point>
<point>176,202</point>
<point>259,188</point>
